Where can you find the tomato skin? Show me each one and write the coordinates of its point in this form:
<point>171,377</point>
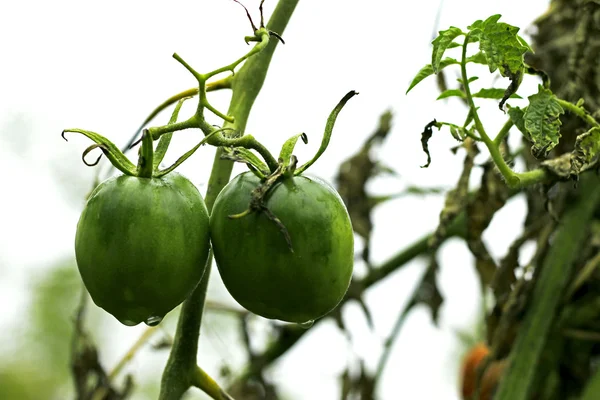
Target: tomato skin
<point>142,244</point>
<point>255,262</point>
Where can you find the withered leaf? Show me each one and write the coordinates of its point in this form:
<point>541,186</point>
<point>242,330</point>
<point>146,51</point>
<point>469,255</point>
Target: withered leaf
<point>456,199</point>
<point>490,197</point>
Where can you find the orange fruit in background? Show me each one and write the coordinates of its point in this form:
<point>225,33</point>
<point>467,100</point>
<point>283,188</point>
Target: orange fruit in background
<point>489,381</point>
<point>469,369</point>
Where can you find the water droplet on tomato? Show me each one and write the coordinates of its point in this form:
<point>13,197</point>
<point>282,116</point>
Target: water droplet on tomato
<point>153,321</point>
<point>307,324</point>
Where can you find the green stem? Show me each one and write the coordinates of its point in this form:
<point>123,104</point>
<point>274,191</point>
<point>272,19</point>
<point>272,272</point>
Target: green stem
<point>503,132</point>
<point>246,84</point>
<point>146,162</point>
<point>158,131</point>
<point>593,387</point>
<point>545,299</point>
<point>204,382</point>
<point>264,36</point>
<point>579,111</point>
<point>512,179</point>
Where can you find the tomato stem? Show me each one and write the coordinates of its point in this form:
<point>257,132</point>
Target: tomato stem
<point>146,160</point>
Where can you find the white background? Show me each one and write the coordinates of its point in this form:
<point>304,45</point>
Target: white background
<point>104,66</point>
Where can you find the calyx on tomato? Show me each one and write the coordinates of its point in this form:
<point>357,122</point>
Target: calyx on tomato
<point>142,239</point>
<point>283,242</point>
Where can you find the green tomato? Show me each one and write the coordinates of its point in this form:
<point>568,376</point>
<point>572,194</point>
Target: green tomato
<point>255,262</point>
<point>142,245</point>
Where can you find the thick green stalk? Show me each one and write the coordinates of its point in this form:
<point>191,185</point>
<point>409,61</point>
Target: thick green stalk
<point>557,267</point>
<point>593,387</point>
<point>179,372</point>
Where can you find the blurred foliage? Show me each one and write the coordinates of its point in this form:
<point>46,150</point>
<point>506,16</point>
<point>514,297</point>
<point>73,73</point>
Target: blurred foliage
<point>38,365</point>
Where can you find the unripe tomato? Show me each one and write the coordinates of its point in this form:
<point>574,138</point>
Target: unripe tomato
<point>142,244</point>
<point>255,262</point>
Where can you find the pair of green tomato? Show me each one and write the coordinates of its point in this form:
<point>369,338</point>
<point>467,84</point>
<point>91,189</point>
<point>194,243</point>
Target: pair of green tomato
<point>142,245</point>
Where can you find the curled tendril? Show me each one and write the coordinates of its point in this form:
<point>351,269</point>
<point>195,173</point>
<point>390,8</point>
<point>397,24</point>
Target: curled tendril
<point>112,152</point>
<point>278,36</point>
<point>89,149</point>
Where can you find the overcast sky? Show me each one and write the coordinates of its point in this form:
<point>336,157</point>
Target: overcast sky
<point>104,66</point>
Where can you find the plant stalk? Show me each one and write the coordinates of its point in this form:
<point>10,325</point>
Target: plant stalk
<point>556,270</point>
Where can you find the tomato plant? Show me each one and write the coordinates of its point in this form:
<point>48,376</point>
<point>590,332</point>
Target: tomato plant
<point>254,260</point>
<point>283,241</point>
<point>142,244</point>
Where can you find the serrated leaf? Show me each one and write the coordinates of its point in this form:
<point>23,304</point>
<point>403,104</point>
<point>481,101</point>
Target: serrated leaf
<point>542,121</point>
<point>451,93</point>
<point>524,43</point>
<point>586,151</point>
<point>441,43</point>
<point>502,47</point>
<point>494,93</point>
<point>478,58</point>
<point>428,70</point>
<point>471,79</point>
<point>517,116</point>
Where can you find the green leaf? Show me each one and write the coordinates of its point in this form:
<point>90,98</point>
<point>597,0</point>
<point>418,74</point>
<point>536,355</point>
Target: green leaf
<point>451,93</point>
<point>494,93</point>
<point>328,130</point>
<point>428,70</point>
<point>441,43</point>
<point>502,47</point>
<point>586,151</point>
<point>517,115</point>
<point>524,43</point>
<point>542,121</point>
<point>288,148</point>
<point>471,79</point>
<point>458,132</point>
<point>478,58</point>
